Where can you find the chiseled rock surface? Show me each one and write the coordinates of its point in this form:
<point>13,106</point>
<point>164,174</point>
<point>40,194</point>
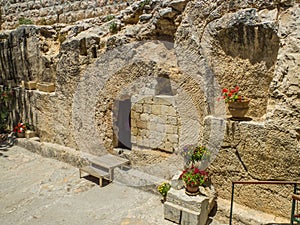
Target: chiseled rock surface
<point>254,45</point>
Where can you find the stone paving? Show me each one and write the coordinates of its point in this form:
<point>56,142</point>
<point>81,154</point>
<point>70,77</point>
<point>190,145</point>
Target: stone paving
<point>37,190</point>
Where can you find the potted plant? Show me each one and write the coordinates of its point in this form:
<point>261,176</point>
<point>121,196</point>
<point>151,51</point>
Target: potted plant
<point>238,105</point>
<point>194,153</point>
<point>163,189</point>
<point>20,130</point>
<point>193,178</point>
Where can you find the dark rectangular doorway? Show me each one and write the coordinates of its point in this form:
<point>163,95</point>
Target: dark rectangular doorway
<point>124,124</point>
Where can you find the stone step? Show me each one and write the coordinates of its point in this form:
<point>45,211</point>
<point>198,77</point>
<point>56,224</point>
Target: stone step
<point>135,178</point>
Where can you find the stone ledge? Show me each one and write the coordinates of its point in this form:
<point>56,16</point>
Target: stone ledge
<point>46,87</point>
<point>59,152</point>
<point>29,85</point>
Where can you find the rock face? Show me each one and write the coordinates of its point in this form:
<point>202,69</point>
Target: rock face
<point>252,46</point>
<point>44,12</point>
<point>188,50</point>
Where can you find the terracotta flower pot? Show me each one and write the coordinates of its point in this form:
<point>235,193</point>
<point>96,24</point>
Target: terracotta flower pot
<point>21,135</point>
<point>192,190</point>
<point>238,109</point>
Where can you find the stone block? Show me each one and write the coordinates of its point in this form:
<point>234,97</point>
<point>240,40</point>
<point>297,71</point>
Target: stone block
<point>166,109</point>
<point>194,203</point>
<point>144,133</point>
<point>147,108</point>
<point>156,109</point>
<point>46,87</point>
<point>172,120</point>
<point>141,124</point>
<point>173,138</point>
<point>135,115</point>
<point>144,117</point>
<point>171,129</point>
<point>133,139</point>
<point>193,210</point>
<point>160,128</point>
<point>134,131</point>
<point>29,134</point>
<point>30,85</point>
<point>138,107</point>
<point>172,212</point>
<point>164,100</point>
<point>169,147</point>
<point>189,217</point>
<point>133,122</point>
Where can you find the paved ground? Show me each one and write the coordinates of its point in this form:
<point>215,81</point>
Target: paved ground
<point>37,190</point>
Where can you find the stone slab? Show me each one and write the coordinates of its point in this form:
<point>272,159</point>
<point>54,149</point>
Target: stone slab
<point>29,85</point>
<point>179,197</point>
<point>172,212</point>
<point>46,87</point>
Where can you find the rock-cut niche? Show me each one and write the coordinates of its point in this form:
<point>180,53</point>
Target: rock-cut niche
<point>244,54</point>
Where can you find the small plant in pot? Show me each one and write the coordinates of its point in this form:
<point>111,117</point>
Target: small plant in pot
<point>194,153</point>
<point>163,189</point>
<point>20,130</point>
<point>193,177</point>
<point>238,105</point>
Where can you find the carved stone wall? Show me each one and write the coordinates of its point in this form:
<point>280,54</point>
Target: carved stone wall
<point>211,45</point>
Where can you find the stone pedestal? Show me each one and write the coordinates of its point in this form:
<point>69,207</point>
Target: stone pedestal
<point>29,134</point>
<point>29,85</point>
<point>188,210</point>
<point>46,87</point>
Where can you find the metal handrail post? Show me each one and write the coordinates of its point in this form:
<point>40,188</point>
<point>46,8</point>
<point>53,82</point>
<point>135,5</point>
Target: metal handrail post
<point>293,206</point>
<point>231,205</point>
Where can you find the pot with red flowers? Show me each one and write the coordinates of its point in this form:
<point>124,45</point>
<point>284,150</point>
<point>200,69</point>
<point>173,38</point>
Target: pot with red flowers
<point>238,105</point>
<point>20,129</point>
<point>193,177</point>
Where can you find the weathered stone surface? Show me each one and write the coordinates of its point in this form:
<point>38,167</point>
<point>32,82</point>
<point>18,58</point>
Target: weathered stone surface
<point>229,50</point>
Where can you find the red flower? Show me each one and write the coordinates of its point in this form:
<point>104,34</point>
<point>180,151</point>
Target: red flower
<point>225,90</point>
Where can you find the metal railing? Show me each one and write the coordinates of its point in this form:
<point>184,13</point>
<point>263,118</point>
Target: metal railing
<point>294,183</point>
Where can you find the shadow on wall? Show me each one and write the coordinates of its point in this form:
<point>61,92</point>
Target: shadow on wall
<point>257,42</point>
<point>21,108</point>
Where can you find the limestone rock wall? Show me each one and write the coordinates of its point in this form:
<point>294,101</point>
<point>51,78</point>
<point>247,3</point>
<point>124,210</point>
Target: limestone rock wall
<point>199,47</point>
<point>48,12</point>
<point>250,45</point>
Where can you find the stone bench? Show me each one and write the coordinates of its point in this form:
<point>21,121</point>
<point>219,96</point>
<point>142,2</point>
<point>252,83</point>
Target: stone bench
<point>103,166</point>
<point>96,172</point>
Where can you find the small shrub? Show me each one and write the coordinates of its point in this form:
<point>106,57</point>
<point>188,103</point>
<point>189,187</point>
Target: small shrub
<point>109,17</point>
<point>23,21</point>
<point>113,27</point>
<point>164,188</point>
<point>144,3</point>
